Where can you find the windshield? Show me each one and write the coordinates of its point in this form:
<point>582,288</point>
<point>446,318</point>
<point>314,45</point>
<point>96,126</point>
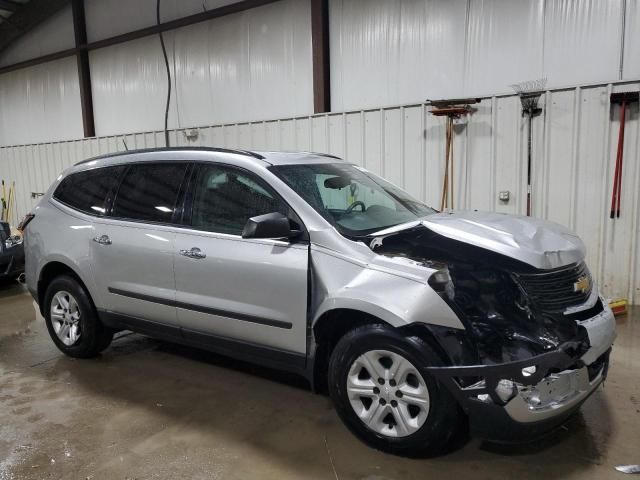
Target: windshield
<point>354,200</point>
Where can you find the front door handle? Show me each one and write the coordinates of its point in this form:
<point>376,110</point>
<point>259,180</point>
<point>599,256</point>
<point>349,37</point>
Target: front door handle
<point>195,252</point>
<point>103,240</point>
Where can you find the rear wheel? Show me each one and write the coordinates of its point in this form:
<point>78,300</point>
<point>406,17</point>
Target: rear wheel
<point>383,396</point>
<point>72,320</point>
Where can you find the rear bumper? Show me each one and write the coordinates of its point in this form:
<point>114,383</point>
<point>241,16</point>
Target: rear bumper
<point>11,262</point>
<point>519,401</point>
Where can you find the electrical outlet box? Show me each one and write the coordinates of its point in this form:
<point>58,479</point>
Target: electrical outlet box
<point>504,195</point>
<point>191,134</point>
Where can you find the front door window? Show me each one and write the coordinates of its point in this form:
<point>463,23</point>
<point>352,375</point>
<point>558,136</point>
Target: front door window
<point>226,197</point>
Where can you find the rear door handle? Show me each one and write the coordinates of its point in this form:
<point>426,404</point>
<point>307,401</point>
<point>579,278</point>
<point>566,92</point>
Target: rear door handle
<point>103,240</point>
<point>195,252</point>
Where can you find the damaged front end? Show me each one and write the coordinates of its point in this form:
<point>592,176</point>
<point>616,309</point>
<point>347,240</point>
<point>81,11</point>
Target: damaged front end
<point>536,341</point>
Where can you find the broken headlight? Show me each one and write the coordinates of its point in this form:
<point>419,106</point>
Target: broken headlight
<point>497,314</point>
<point>441,282</point>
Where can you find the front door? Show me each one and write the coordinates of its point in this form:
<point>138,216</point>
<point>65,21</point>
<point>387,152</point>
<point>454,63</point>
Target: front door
<point>132,250</point>
<point>252,290</point>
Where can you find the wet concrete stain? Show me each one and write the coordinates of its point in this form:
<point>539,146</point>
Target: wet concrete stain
<point>148,409</point>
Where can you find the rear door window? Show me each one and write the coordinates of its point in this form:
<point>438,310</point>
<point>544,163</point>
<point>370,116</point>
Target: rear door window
<point>88,191</point>
<point>149,192</point>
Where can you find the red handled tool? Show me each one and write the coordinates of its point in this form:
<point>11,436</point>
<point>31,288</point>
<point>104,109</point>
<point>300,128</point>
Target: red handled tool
<point>623,99</point>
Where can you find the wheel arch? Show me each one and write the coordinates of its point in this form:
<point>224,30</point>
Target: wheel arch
<point>327,330</point>
<point>52,270</point>
<point>332,324</point>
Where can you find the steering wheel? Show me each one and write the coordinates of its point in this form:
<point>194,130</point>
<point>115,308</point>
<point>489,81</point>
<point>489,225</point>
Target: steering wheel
<point>355,204</point>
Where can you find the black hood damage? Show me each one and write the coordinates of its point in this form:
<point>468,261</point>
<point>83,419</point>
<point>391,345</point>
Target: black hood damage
<point>504,318</point>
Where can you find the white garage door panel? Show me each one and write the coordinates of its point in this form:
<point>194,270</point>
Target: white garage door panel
<point>40,103</point>
<point>395,52</point>
<point>504,44</point>
<point>582,41</point>
<point>632,41</point>
<point>246,66</point>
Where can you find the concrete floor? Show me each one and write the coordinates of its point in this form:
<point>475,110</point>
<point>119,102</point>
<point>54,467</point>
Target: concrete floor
<point>147,409</point>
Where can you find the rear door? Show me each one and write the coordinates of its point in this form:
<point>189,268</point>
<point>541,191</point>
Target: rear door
<point>132,248</point>
<point>252,290</point>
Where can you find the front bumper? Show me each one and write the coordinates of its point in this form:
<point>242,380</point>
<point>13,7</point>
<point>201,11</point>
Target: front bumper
<point>524,399</point>
<point>11,262</point>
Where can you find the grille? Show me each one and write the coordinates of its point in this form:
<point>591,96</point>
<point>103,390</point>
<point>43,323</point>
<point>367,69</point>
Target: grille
<point>555,290</point>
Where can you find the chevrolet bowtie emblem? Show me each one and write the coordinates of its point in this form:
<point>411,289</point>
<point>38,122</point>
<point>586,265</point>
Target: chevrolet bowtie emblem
<point>582,285</point>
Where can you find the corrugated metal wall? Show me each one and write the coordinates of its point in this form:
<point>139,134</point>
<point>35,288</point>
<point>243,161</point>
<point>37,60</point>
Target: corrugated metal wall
<point>574,149</point>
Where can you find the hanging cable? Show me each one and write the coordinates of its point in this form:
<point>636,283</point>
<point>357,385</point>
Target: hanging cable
<point>166,63</point>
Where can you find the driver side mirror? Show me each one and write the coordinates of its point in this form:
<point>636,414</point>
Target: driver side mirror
<point>270,225</point>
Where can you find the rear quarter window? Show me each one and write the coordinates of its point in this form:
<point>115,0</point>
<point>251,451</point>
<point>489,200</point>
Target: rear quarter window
<point>87,191</point>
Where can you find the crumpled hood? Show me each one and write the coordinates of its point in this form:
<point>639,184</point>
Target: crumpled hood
<point>539,243</point>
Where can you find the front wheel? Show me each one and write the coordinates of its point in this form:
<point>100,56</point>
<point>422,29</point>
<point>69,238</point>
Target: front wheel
<point>384,398</point>
<point>72,320</point>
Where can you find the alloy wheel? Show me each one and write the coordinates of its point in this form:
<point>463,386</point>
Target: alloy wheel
<point>388,393</point>
<point>65,318</point>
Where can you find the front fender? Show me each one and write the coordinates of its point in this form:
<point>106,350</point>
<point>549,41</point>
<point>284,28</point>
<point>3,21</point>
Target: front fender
<point>398,300</point>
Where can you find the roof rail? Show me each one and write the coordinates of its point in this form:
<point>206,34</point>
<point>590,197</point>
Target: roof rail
<point>247,153</point>
<point>328,155</point>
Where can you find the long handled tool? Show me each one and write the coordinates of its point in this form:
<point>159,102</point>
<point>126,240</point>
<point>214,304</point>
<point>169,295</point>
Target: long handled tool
<point>3,200</point>
<point>623,99</point>
<point>448,164</point>
<point>530,93</point>
<point>11,203</point>
<point>15,205</point>
<point>452,109</point>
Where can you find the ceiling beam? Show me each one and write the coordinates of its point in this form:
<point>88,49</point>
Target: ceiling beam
<point>320,51</point>
<point>180,22</point>
<point>9,6</point>
<point>26,17</point>
<point>143,32</point>
<point>84,73</point>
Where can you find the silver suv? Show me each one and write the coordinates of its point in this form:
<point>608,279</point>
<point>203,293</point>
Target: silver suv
<point>418,323</point>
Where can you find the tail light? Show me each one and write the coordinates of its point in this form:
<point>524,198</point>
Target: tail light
<point>25,221</point>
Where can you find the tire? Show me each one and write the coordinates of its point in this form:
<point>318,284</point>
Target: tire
<point>81,334</point>
<point>436,424</point>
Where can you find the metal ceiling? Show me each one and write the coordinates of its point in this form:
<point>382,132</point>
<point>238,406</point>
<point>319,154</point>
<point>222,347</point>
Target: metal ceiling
<point>17,17</point>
